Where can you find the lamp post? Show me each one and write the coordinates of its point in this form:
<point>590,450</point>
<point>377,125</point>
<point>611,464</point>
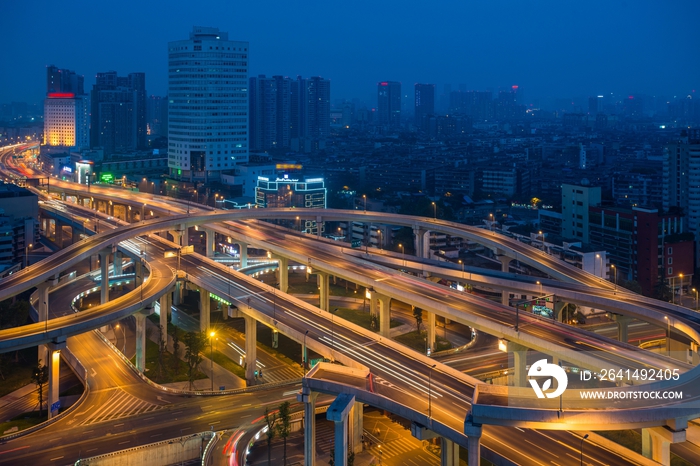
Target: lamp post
<point>595,263</point>
<point>303,355</point>
<point>434,210</point>
<point>668,336</point>
<point>696,298</point>
<point>403,253</point>
<point>379,232</point>
<point>581,449</point>
<point>211,357</point>
<point>123,338</point>
<point>364,196</point>
<point>26,254</point>
<point>491,222</point>
<point>430,394</point>
<point>612,266</point>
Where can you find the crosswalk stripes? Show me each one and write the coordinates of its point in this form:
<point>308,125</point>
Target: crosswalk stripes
<point>395,447</point>
<point>282,373</point>
<point>324,436</point>
<point>119,405</point>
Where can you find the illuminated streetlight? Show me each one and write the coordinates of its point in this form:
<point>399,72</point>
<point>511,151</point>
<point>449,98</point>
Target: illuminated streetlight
<point>211,355</point>
<point>696,298</point>
<point>612,266</point>
<point>434,210</point>
<point>365,199</point>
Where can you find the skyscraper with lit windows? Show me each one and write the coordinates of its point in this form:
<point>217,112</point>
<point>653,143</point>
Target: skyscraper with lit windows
<point>207,105</point>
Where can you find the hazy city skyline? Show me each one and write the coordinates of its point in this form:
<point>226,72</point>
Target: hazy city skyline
<point>551,49</point>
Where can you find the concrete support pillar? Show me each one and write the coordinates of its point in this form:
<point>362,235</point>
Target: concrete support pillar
<point>355,426</point>
<point>430,325</point>
<point>211,235</point>
<point>59,234</point>
<point>505,297</point>
<point>243,253</point>
<point>104,272</point>
<point>384,314</point>
<point>449,453</point>
<point>559,310</point>
<point>656,443</point>
<point>54,364</point>
<point>519,353</point>
<point>338,413</point>
<point>319,226</point>
<point>204,310</point>
<point>251,336</point>
<point>43,315</point>
<point>473,432</point>
<point>505,263</point>
<point>623,323</point>
<point>323,292</point>
<point>283,270</point>
<point>309,399</point>
<point>118,261</point>
<point>419,244</point>
<point>177,294</point>
<point>165,304</point>
<point>177,237</point>
<point>140,341</point>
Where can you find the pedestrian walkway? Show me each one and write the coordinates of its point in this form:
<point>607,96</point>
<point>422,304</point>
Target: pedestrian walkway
<point>282,374</point>
<point>120,404</point>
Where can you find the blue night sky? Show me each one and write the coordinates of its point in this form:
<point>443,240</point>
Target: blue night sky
<point>561,48</point>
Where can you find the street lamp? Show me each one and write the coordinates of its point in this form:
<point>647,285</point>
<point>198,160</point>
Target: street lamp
<point>582,439</point>
<point>668,337</point>
<point>26,254</point>
<point>304,351</point>
<point>673,288</point>
<point>696,298</point>
<point>403,253</point>
<point>211,356</point>
<point>491,223</point>
<point>379,232</point>
<point>430,395</point>
<point>612,266</point>
<point>434,210</point>
<point>595,263</point>
<point>123,338</point>
<point>364,196</point>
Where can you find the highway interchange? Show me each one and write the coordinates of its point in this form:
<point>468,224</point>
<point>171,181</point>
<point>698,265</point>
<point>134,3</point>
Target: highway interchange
<point>382,359</point>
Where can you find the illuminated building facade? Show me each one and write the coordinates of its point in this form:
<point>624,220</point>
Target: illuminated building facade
<point>287,192</point>
<point>65,109</point>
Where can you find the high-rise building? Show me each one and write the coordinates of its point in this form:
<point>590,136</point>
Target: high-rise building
<point>157,116</point>
<point>681,177</point>
<point>389,103</point>
<point>575,201</point>
<point>118,117</point>
<point>424,102</point>
<point>207,105</point>
<point>289,192</point>
<point>262,108</point>
<point>65,109</point>
<point>595,105</point>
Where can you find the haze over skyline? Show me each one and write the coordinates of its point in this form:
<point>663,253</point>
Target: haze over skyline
<point>548,48</point>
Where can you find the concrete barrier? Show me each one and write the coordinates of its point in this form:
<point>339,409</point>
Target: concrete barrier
<point>173,451</point>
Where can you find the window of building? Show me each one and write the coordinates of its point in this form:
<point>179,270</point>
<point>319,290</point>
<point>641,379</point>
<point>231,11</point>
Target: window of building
<point>670,260</point>
<point>670,271</point>
<point>670,251</point>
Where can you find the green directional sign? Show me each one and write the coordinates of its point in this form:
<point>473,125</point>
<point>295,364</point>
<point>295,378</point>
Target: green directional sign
<point>106,177</point>
<point>356,243</point>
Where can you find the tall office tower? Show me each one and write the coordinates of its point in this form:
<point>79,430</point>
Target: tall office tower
<point>317,92</point>
<point>389,103</point>
<point>118,119</point>
<point>475,104</point>
<point>157,116</point>
<point>425,102</point>
<point>310,108</point>
<point>65,109</point>
<point>207,105</point>
<point>681,177</point>
<point>262,113</point>
<point>595,105</point>
<point>283,101</point>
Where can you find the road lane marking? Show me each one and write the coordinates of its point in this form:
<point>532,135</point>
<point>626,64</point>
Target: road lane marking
<point>15,449</point>
<point>57,458</point>
<point>126,441</point>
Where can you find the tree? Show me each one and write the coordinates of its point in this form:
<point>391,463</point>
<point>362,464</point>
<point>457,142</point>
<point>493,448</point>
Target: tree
<point>161,352</point>
<point>418,315</point>
<point>40,376</point>
<point>284,427</point>
<point>195,343</point>
<point>374,321</point>
<point>270,419</point>
<point>176,350</point>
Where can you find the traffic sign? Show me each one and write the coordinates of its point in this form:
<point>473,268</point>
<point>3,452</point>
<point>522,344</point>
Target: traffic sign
<point>56,406</point>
